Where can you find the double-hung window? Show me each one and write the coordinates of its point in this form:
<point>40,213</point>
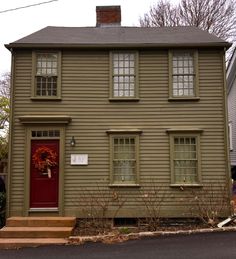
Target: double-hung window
<point>124,159</point>
<point>183,74</point>
<point>46,74</point>
<point>124,75</point>
<point>185,159</point>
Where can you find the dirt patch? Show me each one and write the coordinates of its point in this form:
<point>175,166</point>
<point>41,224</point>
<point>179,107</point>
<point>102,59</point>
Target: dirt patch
<point>106,228</point>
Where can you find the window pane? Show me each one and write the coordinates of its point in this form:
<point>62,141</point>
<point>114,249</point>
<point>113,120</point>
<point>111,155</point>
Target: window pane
<point>45,133</point>
<point>115,56</point>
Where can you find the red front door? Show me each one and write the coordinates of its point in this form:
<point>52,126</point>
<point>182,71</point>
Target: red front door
<point>44,173</point>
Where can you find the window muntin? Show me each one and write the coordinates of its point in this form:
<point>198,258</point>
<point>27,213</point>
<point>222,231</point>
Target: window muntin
<point>124,159</point>
<point>183,74</point>
<point>124,75</point>
<point>46,74</point>
<point>185,159</point>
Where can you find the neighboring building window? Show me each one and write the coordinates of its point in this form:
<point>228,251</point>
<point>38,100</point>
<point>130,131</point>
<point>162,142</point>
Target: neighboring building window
<point>183,78</point>
<point>230,136</point>
<point>124,159</point>
<point>185,159</point>
<point>47,75</point>
<point>124,75</point>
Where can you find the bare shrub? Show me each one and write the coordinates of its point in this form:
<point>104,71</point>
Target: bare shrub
<point>99,207</point>
<point>210,204</point>
<point>152,199</point>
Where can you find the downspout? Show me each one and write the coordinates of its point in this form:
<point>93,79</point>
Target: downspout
<point>226,133</point>
<point>10,133</point>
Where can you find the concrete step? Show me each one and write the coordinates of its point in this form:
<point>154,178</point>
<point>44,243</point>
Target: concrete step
<point>10,243</point>
<point>35,232</point>
<point>41,222</point>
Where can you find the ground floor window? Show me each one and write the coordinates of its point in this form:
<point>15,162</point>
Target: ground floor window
<point>185,158</point>
<point>124,159</point>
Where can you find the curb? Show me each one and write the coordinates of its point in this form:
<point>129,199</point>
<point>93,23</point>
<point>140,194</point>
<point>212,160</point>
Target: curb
<point>113,238</point>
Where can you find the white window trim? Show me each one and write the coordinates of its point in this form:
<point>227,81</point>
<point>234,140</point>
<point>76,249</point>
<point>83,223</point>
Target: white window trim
<point>230,126</point>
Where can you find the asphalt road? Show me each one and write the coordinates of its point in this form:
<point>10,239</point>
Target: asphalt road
<point>208,245</point>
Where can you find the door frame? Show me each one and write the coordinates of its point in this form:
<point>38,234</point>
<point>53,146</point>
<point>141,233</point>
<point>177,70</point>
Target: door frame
<point>44,190</point>
<point>61,139</point>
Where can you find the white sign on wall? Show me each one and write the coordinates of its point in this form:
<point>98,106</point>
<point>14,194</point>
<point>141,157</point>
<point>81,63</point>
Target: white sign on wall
<point>79,159</point>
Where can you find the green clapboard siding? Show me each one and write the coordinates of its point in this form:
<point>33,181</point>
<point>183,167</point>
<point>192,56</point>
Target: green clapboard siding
<point>85,97</point>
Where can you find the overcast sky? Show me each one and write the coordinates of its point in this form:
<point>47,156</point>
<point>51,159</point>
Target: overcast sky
<point>75,13</point>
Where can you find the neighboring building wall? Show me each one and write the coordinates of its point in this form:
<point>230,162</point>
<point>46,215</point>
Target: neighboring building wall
<point>85,97</point>
<point>232,121</point>
<point>231,91</point>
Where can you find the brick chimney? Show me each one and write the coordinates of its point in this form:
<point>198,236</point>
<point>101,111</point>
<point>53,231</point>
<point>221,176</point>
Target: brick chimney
<point>108,16</point>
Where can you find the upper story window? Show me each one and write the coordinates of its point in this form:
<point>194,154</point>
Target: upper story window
<point>124,75</point>
<point>46,75</point>
<point>183,74</point>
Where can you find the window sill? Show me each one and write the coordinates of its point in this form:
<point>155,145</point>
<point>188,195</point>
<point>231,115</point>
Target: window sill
<point>45,98</point>
<point>184,99</point>
<point>123,99</point>
<point>43,210</point>
<point>186,185</point>
<point>124,185</point>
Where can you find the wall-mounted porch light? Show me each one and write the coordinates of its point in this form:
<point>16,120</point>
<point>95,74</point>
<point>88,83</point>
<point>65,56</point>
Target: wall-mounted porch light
<point>72,141</point>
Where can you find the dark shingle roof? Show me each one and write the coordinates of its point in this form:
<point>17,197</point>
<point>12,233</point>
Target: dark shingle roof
<point>119,36</point>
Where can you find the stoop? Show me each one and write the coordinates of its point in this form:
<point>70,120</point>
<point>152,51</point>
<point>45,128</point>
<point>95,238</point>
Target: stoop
<point>35,231</point>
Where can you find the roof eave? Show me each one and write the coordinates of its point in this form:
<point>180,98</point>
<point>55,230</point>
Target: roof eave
<point>116,45</point>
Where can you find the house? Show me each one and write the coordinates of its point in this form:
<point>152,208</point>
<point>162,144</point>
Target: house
<point>116,110</point>
<point>231,95</point>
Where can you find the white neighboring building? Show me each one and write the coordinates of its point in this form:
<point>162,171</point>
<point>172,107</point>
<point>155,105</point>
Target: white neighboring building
<point>231,91</point>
